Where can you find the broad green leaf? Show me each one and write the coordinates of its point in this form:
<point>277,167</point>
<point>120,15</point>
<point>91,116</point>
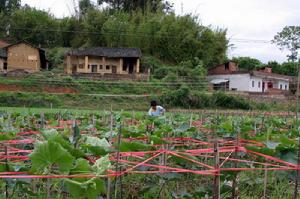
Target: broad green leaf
<point>48,153</point>
<point>81,166</point>
<point>133,146</point>
<point>94,141</point>
<point>90,189</point>
<point>263,150</point>
<point>54,136</point>
<point>183,128</point>
<point>101,165</point>
<point>271,144</point>
<point>288,156</point>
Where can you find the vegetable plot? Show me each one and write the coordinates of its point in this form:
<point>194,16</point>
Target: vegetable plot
<point>128,155</point>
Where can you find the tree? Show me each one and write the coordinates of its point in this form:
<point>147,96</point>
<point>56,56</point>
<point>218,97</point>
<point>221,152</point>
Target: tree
<point>289,38</point>
<point>247,63</point>
<point>8,6</point>
<point>84,7</point>
<point>133,5</point>
<point>34,26</point>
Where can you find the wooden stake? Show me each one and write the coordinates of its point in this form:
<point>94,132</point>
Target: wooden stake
<point>117,163</point>
<point>191,120</point>
<point>7,169</point>
<point>216,193</point>
<point>265,183</point>
<point>111,121</point>
<point>237,144</point>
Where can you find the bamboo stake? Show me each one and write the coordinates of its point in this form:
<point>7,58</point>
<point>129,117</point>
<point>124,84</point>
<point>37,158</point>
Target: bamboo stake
<point>110,138</point>
<point>234,183</point>
<point>216,193</point>
<point>191,120</point>
<point>117,164</point>
<point>266,172</point>
<point>7,169</point>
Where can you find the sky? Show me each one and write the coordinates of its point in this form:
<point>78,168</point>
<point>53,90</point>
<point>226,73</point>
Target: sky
<point>257,21</point>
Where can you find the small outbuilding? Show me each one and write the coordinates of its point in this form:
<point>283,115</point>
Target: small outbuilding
<point>103,60</point>
<point>22,56</point>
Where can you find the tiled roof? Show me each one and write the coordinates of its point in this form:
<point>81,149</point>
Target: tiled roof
<point>271,75</point>
<point>107,52</point>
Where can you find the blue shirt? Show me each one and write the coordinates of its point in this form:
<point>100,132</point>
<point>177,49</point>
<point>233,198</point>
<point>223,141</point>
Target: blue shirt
<point>158,112</point>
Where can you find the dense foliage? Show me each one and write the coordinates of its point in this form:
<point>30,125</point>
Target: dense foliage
<point>158,33</point>
<point>289,38</point>
<point>185,98</point>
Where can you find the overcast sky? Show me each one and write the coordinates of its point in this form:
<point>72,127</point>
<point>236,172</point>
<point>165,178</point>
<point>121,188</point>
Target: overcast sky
<point>244,19</point>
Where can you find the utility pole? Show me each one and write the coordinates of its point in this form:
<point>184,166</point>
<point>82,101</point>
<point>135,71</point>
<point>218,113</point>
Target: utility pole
<point>297,118</point>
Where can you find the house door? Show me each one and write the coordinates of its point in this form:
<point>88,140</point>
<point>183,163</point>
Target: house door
<point>270,85</point>
<point>94,68</point>
<point>74,68</point>
<point>114,69</point>
<point>263,87</point>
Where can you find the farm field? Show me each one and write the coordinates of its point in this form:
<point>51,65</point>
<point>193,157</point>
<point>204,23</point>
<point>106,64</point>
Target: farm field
<point>52,153</point>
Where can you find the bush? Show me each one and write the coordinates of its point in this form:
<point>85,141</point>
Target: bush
<point>185,99</point>
<point>162,72</point>
<point>56,56</point>
<point>226,101</point>
<point>26,99</point>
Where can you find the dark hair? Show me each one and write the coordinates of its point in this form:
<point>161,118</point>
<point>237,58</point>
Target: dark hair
<point>153,103</point>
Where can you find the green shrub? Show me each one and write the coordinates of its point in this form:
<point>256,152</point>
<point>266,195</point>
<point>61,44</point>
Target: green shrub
<point>185,99</point>
<point>227,101</point>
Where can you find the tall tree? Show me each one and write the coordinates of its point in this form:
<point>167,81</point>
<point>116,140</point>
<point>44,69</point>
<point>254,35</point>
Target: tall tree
<point>133,5</point>
<point>289,38</point>
<point>8,6</point>
<point>84,7</point>
<point>35,26</point>
<point>247,63</point>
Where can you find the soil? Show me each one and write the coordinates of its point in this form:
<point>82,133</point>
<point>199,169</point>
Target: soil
<point>47,89</point>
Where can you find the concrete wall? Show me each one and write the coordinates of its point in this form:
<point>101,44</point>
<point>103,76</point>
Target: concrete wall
<point>238,82</point>
<point>255,84</point>
<point>23,56</point>
<point>84,64</point>
<point>283,85</point>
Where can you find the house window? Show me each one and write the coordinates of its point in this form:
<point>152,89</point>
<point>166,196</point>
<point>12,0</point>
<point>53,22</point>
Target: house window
<point>253,83</point>
<point>81,66</point>
<point>5,66</point>
<point>100,67</point>
<point>74,65</point>
<point>285,87</point>
<point>89,66</point>
<point>107,67</point>
<point>258,84</point>
<point>280,86</point>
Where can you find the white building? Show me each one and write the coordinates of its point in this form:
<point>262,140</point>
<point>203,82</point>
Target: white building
<point>228,77</point>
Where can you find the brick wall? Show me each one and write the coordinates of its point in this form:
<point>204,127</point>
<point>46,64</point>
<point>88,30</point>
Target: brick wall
<point>226,68</point>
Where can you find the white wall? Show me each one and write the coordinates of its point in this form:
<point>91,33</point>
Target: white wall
<point>285,85</point>
<point>243,82</point>
<point>239,82</point>
<point>255,84</point>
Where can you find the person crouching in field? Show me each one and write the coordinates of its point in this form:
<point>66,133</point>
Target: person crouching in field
<point>155,110</point>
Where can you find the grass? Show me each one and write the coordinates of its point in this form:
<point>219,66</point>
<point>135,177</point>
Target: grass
<point>72,101</point>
